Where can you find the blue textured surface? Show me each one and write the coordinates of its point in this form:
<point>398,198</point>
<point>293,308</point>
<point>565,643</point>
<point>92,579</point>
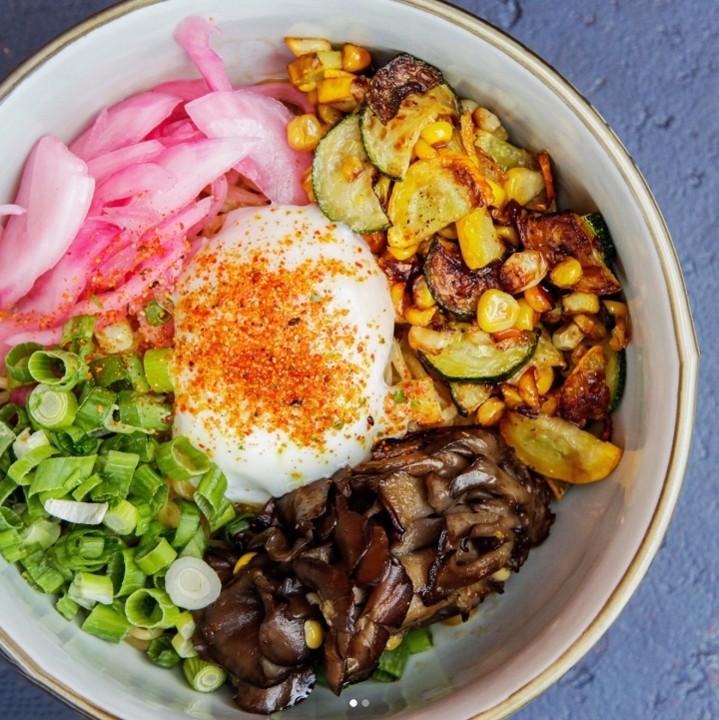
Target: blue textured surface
<point>651,68</point>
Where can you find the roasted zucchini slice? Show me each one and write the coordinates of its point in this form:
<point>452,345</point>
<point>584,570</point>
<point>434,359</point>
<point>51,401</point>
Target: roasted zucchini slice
<point>390,145</point>
<point>597,226</point>
<point>468,396</point>
<point>434,193</point>
<point>557,235</point>
<point>343,179</point>
<point>504,153</point>
<point>616,370</point>
<point>464,353</point>
<point>559,449</point>
<point>452,284</point>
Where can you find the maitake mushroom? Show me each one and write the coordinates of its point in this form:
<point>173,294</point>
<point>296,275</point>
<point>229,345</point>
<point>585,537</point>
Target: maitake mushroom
<point>414,535</point>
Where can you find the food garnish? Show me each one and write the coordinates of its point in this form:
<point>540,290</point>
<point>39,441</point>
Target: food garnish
<point>188,459</point>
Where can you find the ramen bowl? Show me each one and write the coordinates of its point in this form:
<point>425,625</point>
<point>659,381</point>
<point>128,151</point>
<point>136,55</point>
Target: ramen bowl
<point>606,534</point>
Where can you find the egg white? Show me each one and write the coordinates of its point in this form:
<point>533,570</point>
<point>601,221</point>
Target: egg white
<point>237,424</point>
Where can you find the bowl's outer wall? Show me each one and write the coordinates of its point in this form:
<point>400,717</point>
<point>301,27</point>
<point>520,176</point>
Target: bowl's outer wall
<point>601,528</point>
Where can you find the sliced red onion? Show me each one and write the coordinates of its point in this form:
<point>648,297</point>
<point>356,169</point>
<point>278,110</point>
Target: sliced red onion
<point>103,166</point>
<point>56,189</point>
<point>193,35</point>
<point>272,165</point>
<point>123,124</point>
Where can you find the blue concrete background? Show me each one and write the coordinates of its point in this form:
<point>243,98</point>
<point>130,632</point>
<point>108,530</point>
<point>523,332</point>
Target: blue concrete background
<point>651,68</point>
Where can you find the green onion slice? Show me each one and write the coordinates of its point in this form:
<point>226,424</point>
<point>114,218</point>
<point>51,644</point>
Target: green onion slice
<point>202,675</point>
<point>80,513</point>
<point>105,622</point>
<point>180,460</point>
<point>157,314</point>
<point>192,584</point>
<point>156,557</point>
<point>151,608</point>
<point>161,652</point>
<point>51,408</point>
<point>16,363</point>
<point>59,368</point>
<point>157,363</point>
<point>87,588</point>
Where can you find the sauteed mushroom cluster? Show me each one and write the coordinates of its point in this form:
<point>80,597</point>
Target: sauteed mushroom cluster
<point>418,533</point>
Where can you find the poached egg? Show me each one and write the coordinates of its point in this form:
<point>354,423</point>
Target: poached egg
<point>283,331</point>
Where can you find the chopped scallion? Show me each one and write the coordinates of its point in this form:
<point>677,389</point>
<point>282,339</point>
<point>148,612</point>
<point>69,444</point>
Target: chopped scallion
<point>16,362</point>
<point>156,557</point>
<point>191,583</point>
<point>161,652</point>
<point>151,608</point>
<point>59,368</point>
<point>105,622</point>
<point>180,460</point>
<point>158,369</point>
<point>202,675</point>
<point>121,517</point>
<point>51,408</point>
<point>80,513</point>
<point>87,588</point>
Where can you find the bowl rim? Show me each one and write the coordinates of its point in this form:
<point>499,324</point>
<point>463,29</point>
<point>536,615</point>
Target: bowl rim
<point>687,344</point>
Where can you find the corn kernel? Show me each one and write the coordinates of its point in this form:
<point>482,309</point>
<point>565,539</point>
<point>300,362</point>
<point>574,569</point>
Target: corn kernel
<point>528,317</point>
<point>399,299</point>
<point>351,167</point>
<point>500,196</point>
<point>421,317</point>
<point>544,378</point>
<point>538,299</point>
<point>170,514</point>
<point>304,132</point>
<point>490,412</point>
<point>355,58</point>
<point>591,326</point>
<point>312,96</point>
<point>620,335</point>
<point>486,119</point>
<point>403,253</point>
<point>337,73</point>
<point>305,72</point>
<point>502,575</point>
<point>423,150</point>
<point>496,311</point>
<point>566,273</point>
<point>382,189</point>
<point>567,337</point>
<point>334,89</point>
<point>330,59</point>
<point>243,562</point>
<point>421,294</point>
<point>507,233</point>
<point>527,387</point>
<point>512,398</point>
<point>615,308</point>
<point>523,184</point>
<point>580,302</point>
<point>314,634</point>
<point>437,133</point>
<point>304,46</point>
<point>329,115</point>
<point>477,237</point>
<point>550,403</point>
<point>394,642</point>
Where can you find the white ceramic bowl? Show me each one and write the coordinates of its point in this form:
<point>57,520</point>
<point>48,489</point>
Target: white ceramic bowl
<point>573,586</point>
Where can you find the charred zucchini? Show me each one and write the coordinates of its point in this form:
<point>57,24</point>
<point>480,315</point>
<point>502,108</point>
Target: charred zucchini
<point>434,193</point>
<point>343,179</point>
<point>597,226</point>
<point>468,396</point>
<point>616,370</point>
<point>557,235</point>
<point>464,353</point>
<point>452,284</point>
<point>503,153</point>
<point>405,96</point>
<point>559,449</point>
